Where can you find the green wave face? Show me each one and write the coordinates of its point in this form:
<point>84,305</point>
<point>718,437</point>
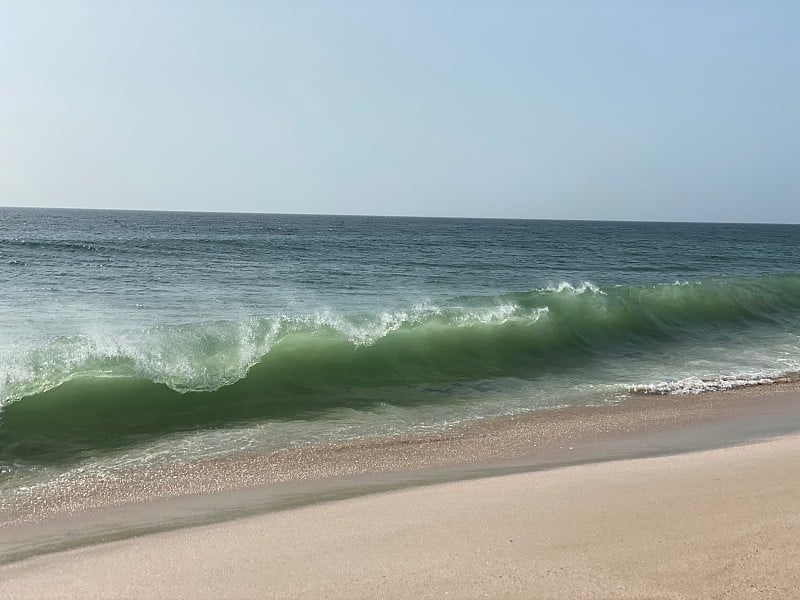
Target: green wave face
<point>79,396</point>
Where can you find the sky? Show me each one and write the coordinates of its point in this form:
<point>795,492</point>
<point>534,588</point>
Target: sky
<point>640,110</point>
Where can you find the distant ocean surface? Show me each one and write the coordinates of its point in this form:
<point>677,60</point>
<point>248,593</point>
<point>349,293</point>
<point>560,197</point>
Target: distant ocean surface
<point>133,338</point>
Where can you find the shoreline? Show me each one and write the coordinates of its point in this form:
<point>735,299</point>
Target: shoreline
<point>217,490</point>
<point>709,524</point>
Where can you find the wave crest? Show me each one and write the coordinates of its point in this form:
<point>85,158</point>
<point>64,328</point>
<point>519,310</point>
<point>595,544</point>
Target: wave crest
<point>516,334</point>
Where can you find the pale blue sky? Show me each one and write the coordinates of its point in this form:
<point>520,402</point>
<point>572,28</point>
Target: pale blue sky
<point>597,110</point>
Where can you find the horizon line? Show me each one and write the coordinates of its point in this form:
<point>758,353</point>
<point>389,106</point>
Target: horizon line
<point>395,216</point>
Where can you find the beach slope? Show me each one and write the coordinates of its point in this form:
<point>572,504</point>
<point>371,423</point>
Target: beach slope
<point>715,524</point>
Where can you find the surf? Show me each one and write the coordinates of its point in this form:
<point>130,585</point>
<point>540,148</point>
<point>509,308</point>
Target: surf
<point>77,394</point>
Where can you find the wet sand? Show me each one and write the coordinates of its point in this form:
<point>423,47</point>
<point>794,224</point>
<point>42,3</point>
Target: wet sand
<point>714,524</point>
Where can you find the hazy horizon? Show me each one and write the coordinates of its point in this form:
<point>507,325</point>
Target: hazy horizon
<point>614,111</point>
<point>389,216</point>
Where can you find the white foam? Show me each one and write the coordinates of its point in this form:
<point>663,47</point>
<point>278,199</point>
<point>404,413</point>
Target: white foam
<point>697,385</point>
<point>586,286</point>
<point>502,314</point>
<point>367,330</point>
<point>192,357</point>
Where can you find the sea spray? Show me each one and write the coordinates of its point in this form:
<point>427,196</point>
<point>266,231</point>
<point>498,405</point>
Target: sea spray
<point>500,332</point>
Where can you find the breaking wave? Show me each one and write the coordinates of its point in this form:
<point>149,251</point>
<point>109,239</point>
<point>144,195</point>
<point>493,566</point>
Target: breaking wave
<point>87,391</point>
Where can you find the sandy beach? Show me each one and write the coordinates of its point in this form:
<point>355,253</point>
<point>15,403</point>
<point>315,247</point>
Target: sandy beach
<point>399,300</point>
<point>713,524</point>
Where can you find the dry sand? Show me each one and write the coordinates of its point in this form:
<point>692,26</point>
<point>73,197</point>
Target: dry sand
<point>715,524</point>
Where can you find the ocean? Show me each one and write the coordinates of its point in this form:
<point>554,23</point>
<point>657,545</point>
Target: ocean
<point>138,339</point>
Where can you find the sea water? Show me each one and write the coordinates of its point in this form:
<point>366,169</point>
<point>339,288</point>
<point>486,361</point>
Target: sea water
<point>130,338</point>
